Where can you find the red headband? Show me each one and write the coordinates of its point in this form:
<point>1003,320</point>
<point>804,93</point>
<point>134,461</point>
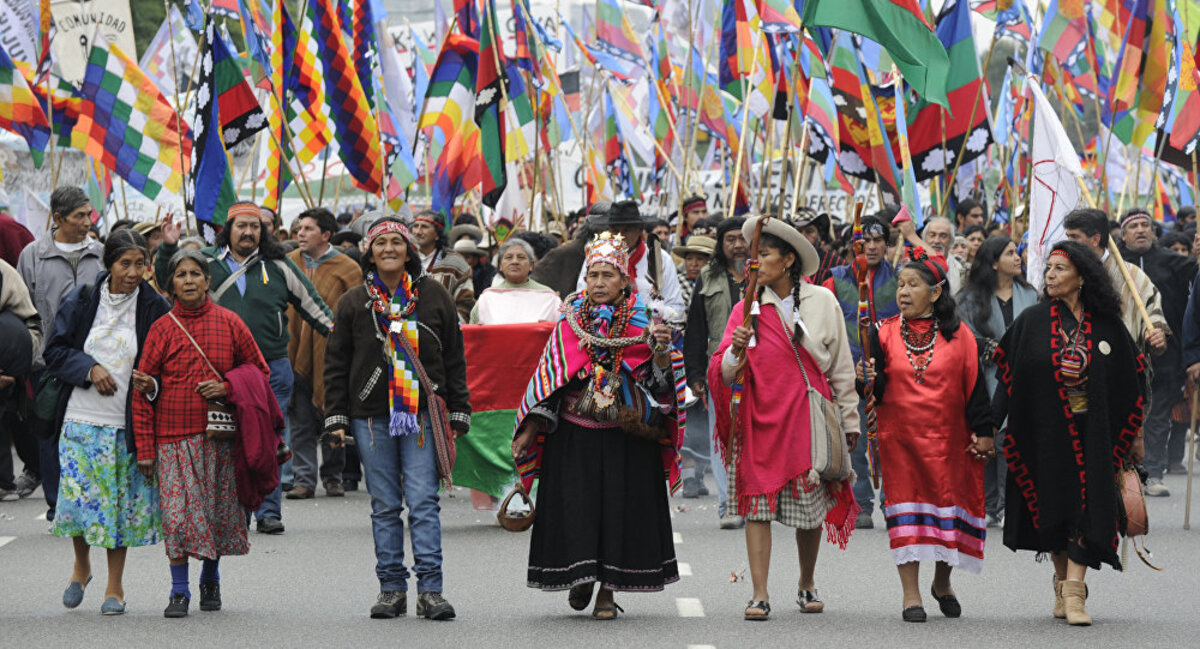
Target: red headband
<point>430,219</point>
<point>936,265</point>
<point>1060,252</point>
<point>386,227</point>
<point>1135,215</point>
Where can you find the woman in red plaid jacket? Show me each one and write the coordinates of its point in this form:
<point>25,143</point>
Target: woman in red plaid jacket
<point>201,515</point>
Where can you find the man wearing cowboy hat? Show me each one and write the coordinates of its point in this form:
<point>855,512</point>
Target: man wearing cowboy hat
<point>1172,274</point>
<point>815,228</point>
<point>650,267</point>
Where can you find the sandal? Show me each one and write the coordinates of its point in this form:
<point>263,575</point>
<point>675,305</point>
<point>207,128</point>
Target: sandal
<point>947,603</point>
<point>758,611</point>
<point>606,612</point>
<point>809,601</point>
<point>581,595</point>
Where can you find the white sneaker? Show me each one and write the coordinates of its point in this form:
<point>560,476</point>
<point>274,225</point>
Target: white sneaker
<point>1156,488</point>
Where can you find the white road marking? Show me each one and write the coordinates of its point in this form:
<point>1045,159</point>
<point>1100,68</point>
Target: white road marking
<point>677,537</point>
<point>40,517</point>
<point>685,569</point>
<point>702,646</point>
<point>689,607</point>
<point>5,540</point>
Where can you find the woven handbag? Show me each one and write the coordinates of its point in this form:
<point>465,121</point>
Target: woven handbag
<point>220,424</point>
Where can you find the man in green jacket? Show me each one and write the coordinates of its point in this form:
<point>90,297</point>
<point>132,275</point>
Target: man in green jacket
<point>252,276</point>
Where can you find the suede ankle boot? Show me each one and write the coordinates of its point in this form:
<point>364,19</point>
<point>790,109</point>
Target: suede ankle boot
<point>1074,595</point>
<point>1060,613</point>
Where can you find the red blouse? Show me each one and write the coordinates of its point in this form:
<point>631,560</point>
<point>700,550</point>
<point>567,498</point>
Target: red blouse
<point>178,411</point>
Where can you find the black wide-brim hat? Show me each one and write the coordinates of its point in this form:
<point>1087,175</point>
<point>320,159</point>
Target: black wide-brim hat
<point>621,213</point>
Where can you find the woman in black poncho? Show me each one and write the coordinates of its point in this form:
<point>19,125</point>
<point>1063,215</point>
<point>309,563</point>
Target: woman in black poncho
<point>1073,386</point>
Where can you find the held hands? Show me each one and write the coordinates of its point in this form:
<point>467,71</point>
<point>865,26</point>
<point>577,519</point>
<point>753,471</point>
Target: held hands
<point>212,390</point>
<point>865,370</point>
<point>701,392</point>
<point>741,338</point>
<point>146,468</point>
<point>142,382</point>
<point>982,448</point>
<point>103,381</point>
<point>6,380</point>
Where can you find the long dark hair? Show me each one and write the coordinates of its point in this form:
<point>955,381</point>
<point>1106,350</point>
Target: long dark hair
<point>268,246</point>
<point>1097,292</point>
<point>982,281</point>
<point>719,261</point>
<point>944,309</point>
<point>773,242</point>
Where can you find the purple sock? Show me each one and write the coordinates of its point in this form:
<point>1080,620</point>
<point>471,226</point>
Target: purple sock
<point>179,580</point>
<point>210,572</point>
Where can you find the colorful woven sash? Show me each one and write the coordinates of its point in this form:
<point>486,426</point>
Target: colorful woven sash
<point>396,316</point>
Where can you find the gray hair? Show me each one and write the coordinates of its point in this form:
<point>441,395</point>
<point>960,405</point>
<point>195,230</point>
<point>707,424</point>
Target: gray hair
<point>179,257</point>
<point>199,242</point>
<point>942,219</point>
<point>521,243</point>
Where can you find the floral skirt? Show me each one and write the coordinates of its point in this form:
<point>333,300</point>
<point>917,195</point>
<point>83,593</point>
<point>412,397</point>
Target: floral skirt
<point>101,495</point>
<point>201,515</point>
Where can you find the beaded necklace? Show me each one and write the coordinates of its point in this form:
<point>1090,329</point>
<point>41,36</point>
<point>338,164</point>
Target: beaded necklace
<point>605,351</point>
<point>916,347</point>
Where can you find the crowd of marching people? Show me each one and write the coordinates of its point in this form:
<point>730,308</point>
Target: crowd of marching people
<point>160,388</point>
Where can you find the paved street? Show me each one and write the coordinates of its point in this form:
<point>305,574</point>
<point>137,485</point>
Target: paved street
<point>312,587</point>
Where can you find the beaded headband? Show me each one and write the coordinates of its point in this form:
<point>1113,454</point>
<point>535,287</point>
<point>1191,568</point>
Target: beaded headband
<point>386,227</point>
<point>1060,253</point>
<point>935,266</point>
<point>1135,215</point>
<point>607,248</point>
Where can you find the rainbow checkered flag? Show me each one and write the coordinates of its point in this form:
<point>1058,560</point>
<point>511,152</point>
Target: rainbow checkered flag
<point>126,123</point>
<point>20,111</point>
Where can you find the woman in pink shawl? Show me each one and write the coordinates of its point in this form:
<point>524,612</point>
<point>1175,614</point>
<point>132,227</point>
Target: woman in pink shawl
<point>768,451</point>
<point>600,428</point>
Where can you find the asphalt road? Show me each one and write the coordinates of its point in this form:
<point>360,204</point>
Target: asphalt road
<point>313,586</point>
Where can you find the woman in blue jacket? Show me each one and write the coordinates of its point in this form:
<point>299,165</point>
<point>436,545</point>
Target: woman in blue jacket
<point>98,335</point>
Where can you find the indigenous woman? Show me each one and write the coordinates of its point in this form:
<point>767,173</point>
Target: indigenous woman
<point>99,333</point>
<point>372,391</point>
<point>517,299</point>
<point>935,434</point>
<point>601,420</point>
<point>799,339</point>
<point>994,295</point>
<point>197,490</point>
<point>1073,391</point>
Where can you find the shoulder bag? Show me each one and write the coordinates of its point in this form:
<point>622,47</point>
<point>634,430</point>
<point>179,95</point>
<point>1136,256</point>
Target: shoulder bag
<point>830,455</point>
<point>220,424</point>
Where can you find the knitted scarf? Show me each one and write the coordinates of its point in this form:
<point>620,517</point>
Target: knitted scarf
<point>396,315</point>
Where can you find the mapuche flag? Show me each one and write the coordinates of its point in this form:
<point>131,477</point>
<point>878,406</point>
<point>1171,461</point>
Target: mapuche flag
<point>898,25</point>
<point>935,134</point>
<point>489,109</point>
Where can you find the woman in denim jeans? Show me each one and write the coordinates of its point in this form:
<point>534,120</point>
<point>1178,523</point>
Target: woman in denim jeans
<point>372,391</point>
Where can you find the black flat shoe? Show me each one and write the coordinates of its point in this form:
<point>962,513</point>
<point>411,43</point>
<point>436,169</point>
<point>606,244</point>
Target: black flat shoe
<point>947,603</point>
<point>914,614</point>
<point>177,606</point>
<point>758,611</point>
<point>606,613</point>
<point>581,595</point>
<point>210,596</point>
<point>809,601</point>
<point>270,525</point>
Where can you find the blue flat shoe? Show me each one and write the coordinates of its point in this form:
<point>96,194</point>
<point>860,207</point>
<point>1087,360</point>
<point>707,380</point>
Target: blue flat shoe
<point>112,606</point>
<point>73,595</point>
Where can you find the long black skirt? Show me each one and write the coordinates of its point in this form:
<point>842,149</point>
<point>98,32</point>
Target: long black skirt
<point>602,513</point>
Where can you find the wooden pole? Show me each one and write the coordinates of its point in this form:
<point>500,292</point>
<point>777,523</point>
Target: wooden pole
<point>737,165</point>
<point>1191,454</point>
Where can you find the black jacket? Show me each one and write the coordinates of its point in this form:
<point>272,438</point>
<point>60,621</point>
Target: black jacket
<point>64,355</point>
<point>1172,275</point>
<point>357,364</point>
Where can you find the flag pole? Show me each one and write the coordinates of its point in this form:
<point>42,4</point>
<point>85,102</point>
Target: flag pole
<point>737,165</point>
<point>962,149</point>
<point>179,118</point>
<point>1116,253</point>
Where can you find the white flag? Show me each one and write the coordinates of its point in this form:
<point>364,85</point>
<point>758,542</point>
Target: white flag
<point>169,69</point>
<point>398,89</point>
<point>1055,187</point>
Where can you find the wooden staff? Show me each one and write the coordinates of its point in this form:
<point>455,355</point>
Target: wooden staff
<point>1116,253</point>
<point>866,321</point>
<point>1191,453</point>
<point>749,301</point>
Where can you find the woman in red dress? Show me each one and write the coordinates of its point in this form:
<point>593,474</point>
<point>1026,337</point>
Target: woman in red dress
<point>935,434</point>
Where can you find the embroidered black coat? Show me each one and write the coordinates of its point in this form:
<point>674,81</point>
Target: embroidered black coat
<point>1062,467</point>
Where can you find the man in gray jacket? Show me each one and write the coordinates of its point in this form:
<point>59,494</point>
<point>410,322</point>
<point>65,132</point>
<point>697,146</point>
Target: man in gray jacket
<point>51,267</point>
